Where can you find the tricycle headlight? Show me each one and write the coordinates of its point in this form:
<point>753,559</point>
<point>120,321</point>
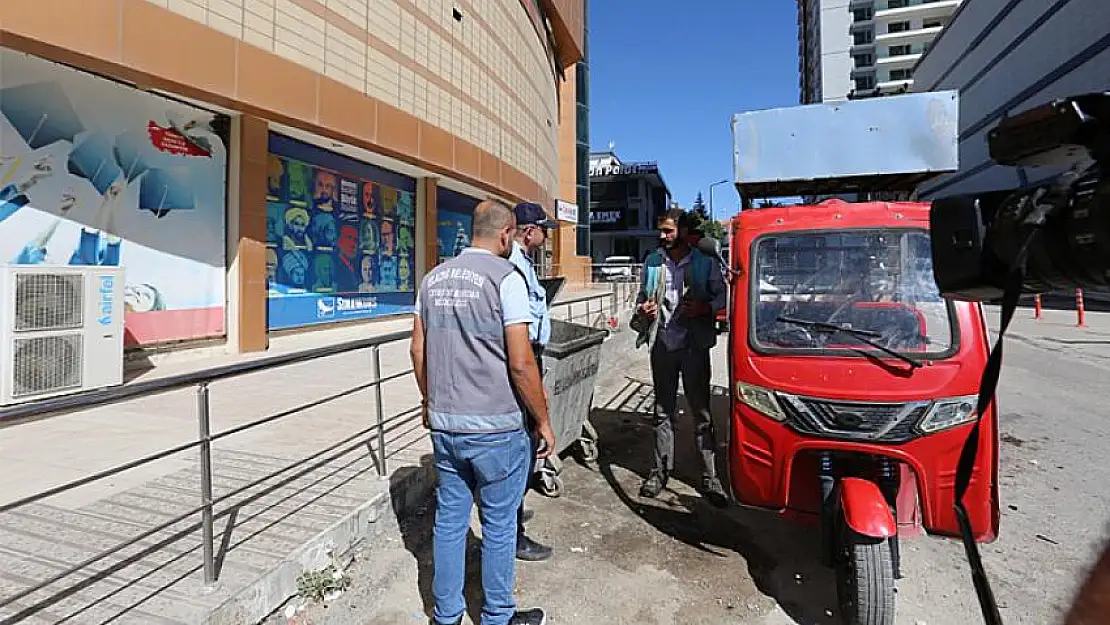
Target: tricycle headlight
<point>948,413</point>
<point>761,399</point>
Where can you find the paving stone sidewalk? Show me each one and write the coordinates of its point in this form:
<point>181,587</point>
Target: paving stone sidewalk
<point>299,492</point>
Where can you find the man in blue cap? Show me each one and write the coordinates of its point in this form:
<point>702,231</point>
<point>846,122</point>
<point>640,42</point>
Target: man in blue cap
<point>532,226</point>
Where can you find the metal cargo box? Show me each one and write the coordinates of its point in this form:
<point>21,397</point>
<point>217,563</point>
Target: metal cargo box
<point>877,144</point>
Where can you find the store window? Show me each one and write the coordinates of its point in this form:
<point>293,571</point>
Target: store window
<point>340,237</point>
<point>454,217</point>
<point>95,173</point>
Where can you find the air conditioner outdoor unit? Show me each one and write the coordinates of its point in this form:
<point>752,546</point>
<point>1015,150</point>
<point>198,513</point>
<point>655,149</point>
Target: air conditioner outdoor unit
<point>61,330</point>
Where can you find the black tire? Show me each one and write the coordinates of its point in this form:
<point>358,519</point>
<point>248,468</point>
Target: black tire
<point>864,579</point>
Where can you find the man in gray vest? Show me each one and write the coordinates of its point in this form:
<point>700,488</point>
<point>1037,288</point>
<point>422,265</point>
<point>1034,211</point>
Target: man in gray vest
<point>477,374</point>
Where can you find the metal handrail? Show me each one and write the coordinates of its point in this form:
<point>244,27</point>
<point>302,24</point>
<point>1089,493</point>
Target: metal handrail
<point>201,380</point>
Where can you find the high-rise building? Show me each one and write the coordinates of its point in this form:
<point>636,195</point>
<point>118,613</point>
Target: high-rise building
<point>1006,58</point>
<point>863,48</point>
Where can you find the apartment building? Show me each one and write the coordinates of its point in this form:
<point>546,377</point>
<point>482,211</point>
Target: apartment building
<point>864,48</point>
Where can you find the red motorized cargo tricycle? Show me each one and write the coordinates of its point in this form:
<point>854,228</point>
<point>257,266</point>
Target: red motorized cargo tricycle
<point>854,387</point>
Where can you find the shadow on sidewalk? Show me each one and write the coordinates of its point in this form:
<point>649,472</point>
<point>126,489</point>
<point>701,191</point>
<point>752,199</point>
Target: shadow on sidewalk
<point>783,559</point>
<point>416,522</point>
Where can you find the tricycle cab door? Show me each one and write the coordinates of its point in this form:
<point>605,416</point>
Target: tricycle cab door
<point>755,474</point>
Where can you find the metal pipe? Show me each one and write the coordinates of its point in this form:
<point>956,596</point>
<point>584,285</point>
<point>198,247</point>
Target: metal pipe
<point>712,215</point>
<point>377,356</point>
<point>1081,316</point>
<point>204,427</point>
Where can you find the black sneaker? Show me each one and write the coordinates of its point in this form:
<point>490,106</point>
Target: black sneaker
<point>714,492</point>
<point>653,485</point>
<point>530,550</point>
<point>535,616</point>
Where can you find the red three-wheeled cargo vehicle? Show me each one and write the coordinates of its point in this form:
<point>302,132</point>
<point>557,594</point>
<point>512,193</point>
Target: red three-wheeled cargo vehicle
<point>853,381</point>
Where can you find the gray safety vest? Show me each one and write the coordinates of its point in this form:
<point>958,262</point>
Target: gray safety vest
<point>469,389</point>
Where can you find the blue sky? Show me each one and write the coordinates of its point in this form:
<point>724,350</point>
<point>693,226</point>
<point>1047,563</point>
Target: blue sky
<point>666,75</point>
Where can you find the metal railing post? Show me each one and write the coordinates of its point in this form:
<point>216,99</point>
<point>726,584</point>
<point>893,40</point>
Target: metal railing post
<point>204,427</point>
<point>377,356</point>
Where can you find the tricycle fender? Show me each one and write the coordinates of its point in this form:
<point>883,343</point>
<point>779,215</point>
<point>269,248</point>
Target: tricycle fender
<point>865,509</point>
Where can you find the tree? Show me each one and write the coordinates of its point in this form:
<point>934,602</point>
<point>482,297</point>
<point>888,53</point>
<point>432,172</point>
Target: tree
<point>699,207</point>
<point>701,223</point>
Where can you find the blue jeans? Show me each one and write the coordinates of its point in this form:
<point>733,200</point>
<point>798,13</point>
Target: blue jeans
<point>495,468</point>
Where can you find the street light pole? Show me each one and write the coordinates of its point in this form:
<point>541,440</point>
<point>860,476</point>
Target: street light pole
<point>712,215</point>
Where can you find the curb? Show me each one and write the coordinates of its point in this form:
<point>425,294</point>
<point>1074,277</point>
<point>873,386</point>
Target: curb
<point>408,488</point>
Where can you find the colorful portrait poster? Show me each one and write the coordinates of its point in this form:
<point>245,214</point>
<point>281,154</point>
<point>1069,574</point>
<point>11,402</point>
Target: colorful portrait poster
<point>336,246</point>
<point>96,173</point>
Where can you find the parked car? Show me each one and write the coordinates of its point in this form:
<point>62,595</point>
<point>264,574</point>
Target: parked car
<point>616,269</point>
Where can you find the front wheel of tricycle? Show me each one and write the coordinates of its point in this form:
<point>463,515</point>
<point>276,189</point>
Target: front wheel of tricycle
<point>865,579</point>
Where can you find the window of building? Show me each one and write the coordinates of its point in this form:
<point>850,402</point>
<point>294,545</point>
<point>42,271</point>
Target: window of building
<point>862,15</point>
<point>865,83</point>
<point>897,4</point>
<point>933,23</point>
<point>898,50</point>
<point>901,74</point>
<point>898,27</point>
<point>864,60</point>
<point>863,37</point>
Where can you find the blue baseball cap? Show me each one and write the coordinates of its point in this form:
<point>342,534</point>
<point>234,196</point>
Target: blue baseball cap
<point>532,214</point>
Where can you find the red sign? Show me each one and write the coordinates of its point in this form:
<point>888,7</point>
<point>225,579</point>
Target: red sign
<point>171,140</point>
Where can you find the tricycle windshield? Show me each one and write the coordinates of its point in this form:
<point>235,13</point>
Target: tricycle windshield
<point>823,291</point>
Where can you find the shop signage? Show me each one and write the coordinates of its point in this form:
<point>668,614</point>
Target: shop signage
<point>605,217</point>
<point>566,211</point>
<point>622,169</point>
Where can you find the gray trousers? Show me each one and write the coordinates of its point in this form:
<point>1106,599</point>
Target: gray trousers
<point>537,351</point>
<point>693,366</point>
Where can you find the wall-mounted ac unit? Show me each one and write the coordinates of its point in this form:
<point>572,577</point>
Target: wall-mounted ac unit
<point>61,330</point>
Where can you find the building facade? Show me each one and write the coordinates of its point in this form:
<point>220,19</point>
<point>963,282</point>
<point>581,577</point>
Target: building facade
<point>864,48</point>
<point>265,166</point>
<point>626,199</point>
<point>1006,57</point>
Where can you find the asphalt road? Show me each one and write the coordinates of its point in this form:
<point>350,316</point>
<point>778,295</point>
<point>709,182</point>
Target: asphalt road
<point>677,560</point>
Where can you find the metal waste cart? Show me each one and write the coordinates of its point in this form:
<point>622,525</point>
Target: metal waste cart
<point>571,362</point>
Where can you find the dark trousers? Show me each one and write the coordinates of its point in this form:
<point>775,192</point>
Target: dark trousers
<point>692,365</point>
<point>537,350</point>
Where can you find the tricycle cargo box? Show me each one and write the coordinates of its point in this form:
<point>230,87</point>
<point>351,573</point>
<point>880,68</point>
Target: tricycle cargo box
<point>877,144</point>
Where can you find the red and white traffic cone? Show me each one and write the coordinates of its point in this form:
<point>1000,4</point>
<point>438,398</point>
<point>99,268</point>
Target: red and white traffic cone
<point>1037,306</point>
<point>1081,316</point>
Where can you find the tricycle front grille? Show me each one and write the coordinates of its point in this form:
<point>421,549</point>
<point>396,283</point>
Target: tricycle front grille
<point>878,422</point>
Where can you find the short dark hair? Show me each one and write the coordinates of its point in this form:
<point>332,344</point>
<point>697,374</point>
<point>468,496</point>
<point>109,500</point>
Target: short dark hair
<point>680,218</point>
<point>490,216</point>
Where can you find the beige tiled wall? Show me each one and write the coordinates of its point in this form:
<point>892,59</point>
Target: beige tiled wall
<point>485,78</point>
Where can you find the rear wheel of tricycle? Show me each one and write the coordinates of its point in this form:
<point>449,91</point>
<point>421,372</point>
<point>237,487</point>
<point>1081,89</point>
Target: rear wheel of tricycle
<point>864,579</point>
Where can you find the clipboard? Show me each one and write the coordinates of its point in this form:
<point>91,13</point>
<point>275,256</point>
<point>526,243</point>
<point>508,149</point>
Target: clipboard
<point>553,286</point>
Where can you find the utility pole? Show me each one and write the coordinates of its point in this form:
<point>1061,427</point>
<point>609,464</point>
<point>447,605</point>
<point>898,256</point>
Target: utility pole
<point>712,215</point>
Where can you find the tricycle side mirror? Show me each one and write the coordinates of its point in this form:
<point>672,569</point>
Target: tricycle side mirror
<point>712,248</point>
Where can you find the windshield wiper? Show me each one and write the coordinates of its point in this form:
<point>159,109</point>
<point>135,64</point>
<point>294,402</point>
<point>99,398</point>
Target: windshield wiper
<point>864,336</point>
